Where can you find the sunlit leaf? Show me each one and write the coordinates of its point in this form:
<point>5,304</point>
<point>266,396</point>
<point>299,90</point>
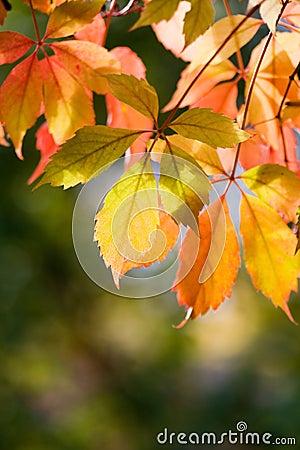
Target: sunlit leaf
<point>136,93</point>
<point>87,62</point>
<point>155,11</point>
<point>292,110</point>
<point>71,16</point>
<point>269,246</point>
<point>93,32</point>
<point>202,296</point>
<point>211,128</point>
<point>20,99</point>
<point>270,11</point>
<point>68,106</point>
<point>84,156</point>
<point>13,46</point>
<point>275,185</point>
<point>193,27</point>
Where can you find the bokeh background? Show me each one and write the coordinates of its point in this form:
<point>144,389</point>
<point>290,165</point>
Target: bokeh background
<point>81,369</point>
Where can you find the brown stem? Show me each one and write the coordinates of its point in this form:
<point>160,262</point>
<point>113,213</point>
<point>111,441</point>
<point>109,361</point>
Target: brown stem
<point>238,53</point>
<point>108,20</point>
<point>36,27</point>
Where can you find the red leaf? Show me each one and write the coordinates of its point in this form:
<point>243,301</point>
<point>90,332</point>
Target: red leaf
<point>47,146</point>
<point>13,46</point>
<point>20,99</point>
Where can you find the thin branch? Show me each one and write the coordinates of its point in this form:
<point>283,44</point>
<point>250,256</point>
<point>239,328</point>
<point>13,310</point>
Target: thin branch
<point>36,27</point>
<point>108,19</point>
<point>238,53</point>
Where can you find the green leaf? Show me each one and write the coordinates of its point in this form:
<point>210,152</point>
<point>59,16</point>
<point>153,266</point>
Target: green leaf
<point>71,16</point>
<point>193,27</point>
<point>184,188</point>
<point>211,128</point>
<point>88,153</point>
<point>156,11</point>
<point>275,185</point>
<point>136,93</point>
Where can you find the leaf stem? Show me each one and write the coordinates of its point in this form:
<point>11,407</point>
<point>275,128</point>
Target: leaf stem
<point>238,53</point>
<point>36,27</point>
<point>108,19</point>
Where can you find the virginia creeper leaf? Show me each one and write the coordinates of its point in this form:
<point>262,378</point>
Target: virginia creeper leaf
<point>93,32</point>
<point>87,62</point>
<point>269,246</point>
<point>70,17</point>
<point>211,128</point>
<point>42,5</point>
<point>201,296</point>
<point>207,156</point>
<point>47,146</point>
<point>193,27</point>
<point>277,186</point>
<point>68,106</point>
<point>270,11</point>
<point>136,93</point>
<point>13,46</point>
<point>214,37</point>
<point>20,99</point>
<point>133,198</point>
<point>184,188</point>
<point>84,156</point>
<point>155,11</point>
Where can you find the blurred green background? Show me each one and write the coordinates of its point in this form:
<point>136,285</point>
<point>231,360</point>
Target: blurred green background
<point>81,369</point>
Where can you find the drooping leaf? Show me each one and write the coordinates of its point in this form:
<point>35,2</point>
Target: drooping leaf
<point>47,146</point>
<point>71,16</point>
<point>222,264</point>
<point>211,128</point>
<point>13,46</point>
<point>193,27</point>
<point>206,156</point>
<point>20,99</point>
<point>183,187</point>
<point>135,92</point>
<point>155,11</point>
<point>214,37</point>
<point>275,185</point>
<point>133,198</point>
<point>87,62</point>
<point>270,11</point>
<point>269,246</point>
<point>68,106</point>
<point>81,158</point>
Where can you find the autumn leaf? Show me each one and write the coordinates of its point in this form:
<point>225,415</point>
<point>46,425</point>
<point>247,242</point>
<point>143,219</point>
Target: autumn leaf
<point>183,187</point>
<point>13,46</point>
<point>155,11</point>
<point>47,146</point>
<point>193,27</point>
<point>223,262</point>
<point>205,155</point>
<point>277,186</point>
<point>93,32</point>
<point>4,7</point>
<point>270,11</point>
<point>20,99</point>
<point>211,128</point>
<point>87,62</point>
<point>83,157</point>
<point>71,16</point>
<point>135,92</point>
<point>222,99</point>
<point>268,251</point>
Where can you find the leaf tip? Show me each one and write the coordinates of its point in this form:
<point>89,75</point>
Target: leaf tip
<point>185,320</point>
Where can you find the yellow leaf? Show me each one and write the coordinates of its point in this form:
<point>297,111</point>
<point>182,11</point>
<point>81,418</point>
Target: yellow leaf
<point>269,246</point>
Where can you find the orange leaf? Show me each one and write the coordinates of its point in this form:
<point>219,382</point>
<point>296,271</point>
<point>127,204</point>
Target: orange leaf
<point>13,46</point>
<point>21,98</point>
<point>212,292</point>
<point>292,13</point>
<point>87,62</point>
<point>68,106</point>
<point>269,246</point>
<point>121,115</point>
<point>3,13</point>
<point>222,99</point>
<point>93,32</point>
<point>41,5</point>
<point>47,146</point>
